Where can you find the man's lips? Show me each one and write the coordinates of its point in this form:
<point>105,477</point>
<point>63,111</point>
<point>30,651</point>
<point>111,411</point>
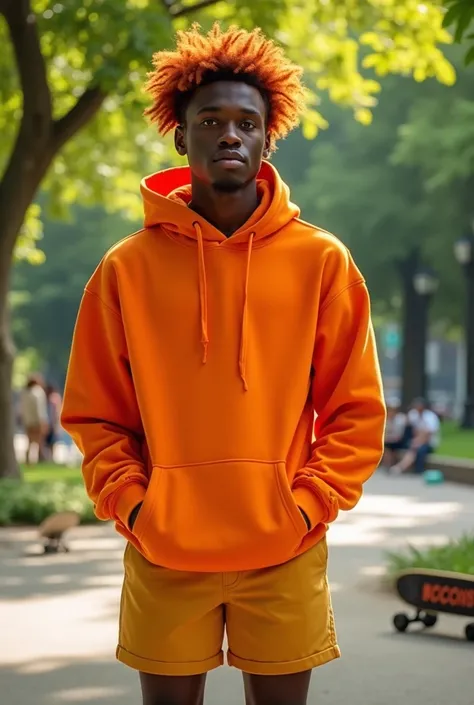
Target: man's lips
<point>230,157</point>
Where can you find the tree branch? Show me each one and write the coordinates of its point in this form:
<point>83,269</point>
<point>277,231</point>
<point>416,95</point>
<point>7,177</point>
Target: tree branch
<point>23,30</point>
<point>168,4</point>
<point>80,114</point>
<point>185,10</point>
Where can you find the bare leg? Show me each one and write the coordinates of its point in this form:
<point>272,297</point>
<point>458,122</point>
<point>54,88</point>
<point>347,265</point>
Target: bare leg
<point>277,690</point>
<point>406,462</point>
<point>42,451</point>
<point>172,690</point>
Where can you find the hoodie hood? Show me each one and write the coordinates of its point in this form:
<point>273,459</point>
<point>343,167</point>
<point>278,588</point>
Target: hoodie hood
<point>166,196</point>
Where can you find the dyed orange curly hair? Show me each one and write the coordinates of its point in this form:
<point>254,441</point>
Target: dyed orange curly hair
<point>235,52</point>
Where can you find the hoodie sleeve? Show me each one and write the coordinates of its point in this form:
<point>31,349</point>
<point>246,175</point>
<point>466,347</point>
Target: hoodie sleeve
<point>348,401</point>
<point>101,413</point>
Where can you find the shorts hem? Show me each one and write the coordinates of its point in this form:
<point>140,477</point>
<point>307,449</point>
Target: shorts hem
<point>259,668</point>
<point>162,668</point>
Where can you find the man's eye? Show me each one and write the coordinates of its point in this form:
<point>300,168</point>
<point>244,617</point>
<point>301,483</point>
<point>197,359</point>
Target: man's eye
<point>209,122</point>
<point>248,125</point>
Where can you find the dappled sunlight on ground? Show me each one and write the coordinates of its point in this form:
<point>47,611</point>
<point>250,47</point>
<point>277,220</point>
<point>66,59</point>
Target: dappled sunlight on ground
<point>84,694</point>
<point>405,511</point>
<point>50,605</point>
<point>44,625</point>
<point>394,513</point>
<point>60,612</point>
<point>95,560</point>
<point>72,681</point>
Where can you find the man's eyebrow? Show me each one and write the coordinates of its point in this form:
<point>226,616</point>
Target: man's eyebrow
<point>246,110</point>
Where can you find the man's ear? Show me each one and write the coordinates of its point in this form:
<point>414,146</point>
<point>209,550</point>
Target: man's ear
<point>267,148</point>
<point>180,141</point>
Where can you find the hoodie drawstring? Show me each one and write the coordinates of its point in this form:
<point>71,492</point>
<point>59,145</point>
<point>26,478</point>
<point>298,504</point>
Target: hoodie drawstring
<point>204,305</point>
<point>244,336</point>
<point>202,292</point>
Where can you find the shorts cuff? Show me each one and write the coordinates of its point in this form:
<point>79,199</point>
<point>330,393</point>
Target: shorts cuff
<point>161,668</point>
<point>260,668</point>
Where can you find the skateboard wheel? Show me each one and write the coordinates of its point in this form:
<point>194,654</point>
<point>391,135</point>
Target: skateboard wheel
<point>470,632</point>
<point>401,622</point>
<point>429,620</point>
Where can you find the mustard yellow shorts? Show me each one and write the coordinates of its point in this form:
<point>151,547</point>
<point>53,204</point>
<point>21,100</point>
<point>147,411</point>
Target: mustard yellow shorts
<point>278,620</point>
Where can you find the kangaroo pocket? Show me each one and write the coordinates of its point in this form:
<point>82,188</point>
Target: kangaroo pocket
<point>223,516</point>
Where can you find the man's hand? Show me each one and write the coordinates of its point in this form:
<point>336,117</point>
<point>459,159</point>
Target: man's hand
<point>133,516</point>
<point>306,518</point>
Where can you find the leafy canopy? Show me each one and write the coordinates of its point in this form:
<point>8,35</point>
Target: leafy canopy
<point>345,47</point>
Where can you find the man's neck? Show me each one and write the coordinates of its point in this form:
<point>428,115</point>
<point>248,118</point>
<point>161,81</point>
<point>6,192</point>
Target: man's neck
<point>226,211</point>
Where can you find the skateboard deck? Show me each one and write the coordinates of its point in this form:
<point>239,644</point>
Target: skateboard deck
<point>438,591</point>
<point>53,528</point>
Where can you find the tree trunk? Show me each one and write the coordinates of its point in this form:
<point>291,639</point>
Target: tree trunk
<point>38,141</point>
<point>8,463</point>
<point>12,214</point>
<point>414,325</point>
<point>18,187</point>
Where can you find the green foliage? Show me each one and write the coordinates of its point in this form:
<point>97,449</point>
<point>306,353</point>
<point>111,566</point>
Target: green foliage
<point>460,18</point>
<point>404,183</point>
<point>31,233</point>
<point>45,299</point>
<point>50,472</point>
<point>440,142</point>
<point>24,503</point>
<point>457,556</point>
<point>456,442</point>
<point>344,47</point>
<point>27,361</point>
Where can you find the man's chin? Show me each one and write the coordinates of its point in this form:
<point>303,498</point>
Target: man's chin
<point>228,185</point>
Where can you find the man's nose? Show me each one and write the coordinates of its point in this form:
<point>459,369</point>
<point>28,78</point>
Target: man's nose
<point>230,137</point>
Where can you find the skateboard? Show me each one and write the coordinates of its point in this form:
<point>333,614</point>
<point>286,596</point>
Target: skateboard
<point>434,591</point>
<point>53,528</point>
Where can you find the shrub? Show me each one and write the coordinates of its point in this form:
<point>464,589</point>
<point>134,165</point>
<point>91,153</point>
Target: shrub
<point>23,503</point>
<point>457,556</point>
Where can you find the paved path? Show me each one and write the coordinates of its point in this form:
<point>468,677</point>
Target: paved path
<point>58,613</point>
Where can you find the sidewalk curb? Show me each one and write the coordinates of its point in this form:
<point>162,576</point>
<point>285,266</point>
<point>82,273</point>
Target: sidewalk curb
<point>458,470</point>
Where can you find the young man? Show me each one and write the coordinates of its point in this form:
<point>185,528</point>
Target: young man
<point>34,416</point>
<point>426,438</point>
<point>398,433</point>
<point>205,345</point>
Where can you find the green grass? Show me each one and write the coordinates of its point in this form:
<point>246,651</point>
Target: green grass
<point>457,556</point>
<point>456,442</point>
<point>48,472</point>
<point>44,490</point>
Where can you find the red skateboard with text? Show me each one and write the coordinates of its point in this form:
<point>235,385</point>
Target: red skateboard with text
<point>432,592</point>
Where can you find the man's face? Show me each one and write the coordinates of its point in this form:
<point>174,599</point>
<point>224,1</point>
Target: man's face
<point>224,135</point>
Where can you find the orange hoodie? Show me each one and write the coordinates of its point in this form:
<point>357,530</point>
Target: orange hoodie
<point>197,367</point>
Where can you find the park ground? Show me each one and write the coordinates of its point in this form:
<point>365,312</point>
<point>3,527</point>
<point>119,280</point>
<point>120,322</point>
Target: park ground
<point>59,613</point>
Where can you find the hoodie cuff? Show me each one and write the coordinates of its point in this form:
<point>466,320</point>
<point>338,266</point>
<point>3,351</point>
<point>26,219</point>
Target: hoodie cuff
<point>131,494</point>
<point>309,502</point>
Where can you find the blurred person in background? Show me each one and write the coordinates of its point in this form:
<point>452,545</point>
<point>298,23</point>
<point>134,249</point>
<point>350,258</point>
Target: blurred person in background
<point>426,438</point>
<point>54,419</point>
<point>398,433</point>
<point>34,416</point>
<point>204,346</point>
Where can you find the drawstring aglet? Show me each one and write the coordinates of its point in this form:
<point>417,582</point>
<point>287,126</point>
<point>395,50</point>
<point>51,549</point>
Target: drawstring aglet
<point>205,346</point>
